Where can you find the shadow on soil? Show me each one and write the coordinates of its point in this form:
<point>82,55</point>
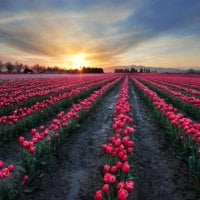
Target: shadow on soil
<point>76,174</point>
<point>162,175</point>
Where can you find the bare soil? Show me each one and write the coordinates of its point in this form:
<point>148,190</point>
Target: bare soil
<point>161,175</point>
<point>77,173</point>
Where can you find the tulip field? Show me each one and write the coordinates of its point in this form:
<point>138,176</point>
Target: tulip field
<point>101,137</point>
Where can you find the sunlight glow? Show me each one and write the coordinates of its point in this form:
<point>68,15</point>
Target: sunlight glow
<point>79,61</point>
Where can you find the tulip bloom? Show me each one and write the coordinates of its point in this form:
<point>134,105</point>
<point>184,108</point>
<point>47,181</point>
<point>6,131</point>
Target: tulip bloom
<point>129,186</point>
<point>109,178</point>
<point>98,195</point>
<point>1,164</point>
<point>122,194</point>
<point>32,150</point>
<point>106,168</point>
<point>11,168</point>
<point>24,180</point>
<point>106,188</point>
<point>126,168</point>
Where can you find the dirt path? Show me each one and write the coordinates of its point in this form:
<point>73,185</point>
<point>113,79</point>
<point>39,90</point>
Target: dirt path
<point>162,175</point>
<point>11,153</point>
<point>76,175</point>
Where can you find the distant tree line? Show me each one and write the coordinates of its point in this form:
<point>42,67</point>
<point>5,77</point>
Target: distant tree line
<point>84,70</point>
<point>17,67</point>
<point>126,70</point>
<point>144,70</point>
<point>133,70</point>
<point>92,70</point>
<point>193,71</point>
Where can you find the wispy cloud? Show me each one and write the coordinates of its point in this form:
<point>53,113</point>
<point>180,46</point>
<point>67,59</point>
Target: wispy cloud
<point>106,31</point>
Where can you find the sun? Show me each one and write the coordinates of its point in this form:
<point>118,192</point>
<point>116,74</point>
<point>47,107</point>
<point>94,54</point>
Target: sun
<point>79,61</point>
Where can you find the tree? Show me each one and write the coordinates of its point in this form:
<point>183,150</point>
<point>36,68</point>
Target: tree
<point>9,67</point>
<point>38,68</point>
<point>133,70</point>
<point>27,70</point>
<point>1,65</point>
<point>19,67</point>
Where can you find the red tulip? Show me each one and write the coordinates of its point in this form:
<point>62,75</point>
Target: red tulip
<point>98,195</point>
<point>113,169</point>
<point>5,173</point>
<point>106,188</point>
<point>64,125</point>
<point>181,138</point>
<point>130,150</point>
<point>21,139</point>
<point>119,165</point>
<point>117,142</point>
<point>120,185</point>
<point>193,139</point>
<point>122,194</point>
<point>11,168</point>
<point>106,168</point>
<point>25,144</point>
<point>130,143</point>
<point>126,168</point>
<point>109,149</point>
<point>56,135</point>
<point>109,178</point>
<point>32,150</point>
<point>125,140</point>
<point>125,158</point>
<point>129,185</point>
<point>1,164</point>
<point>42,128</point>
<point>33,131</point>
<point>24,180</point>
<point>34,140</point>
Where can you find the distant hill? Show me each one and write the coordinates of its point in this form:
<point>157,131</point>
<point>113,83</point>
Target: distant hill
<point>157,69</point>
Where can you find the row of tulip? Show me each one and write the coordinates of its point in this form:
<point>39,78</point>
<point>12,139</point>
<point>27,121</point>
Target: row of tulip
<point>40,93</point>
<point>117,179</point>
<point>189,105</point>
<point>183,131</point>
<point>19,91</point>
<point>180,86</point>
<point>5,171</point>
<point>179,95</point>
<point>31,118</point>
<point>23,112</point>
<point>185,90</point>
<point>47,140</point>
<point>28,93</point>
<point>188,81</point>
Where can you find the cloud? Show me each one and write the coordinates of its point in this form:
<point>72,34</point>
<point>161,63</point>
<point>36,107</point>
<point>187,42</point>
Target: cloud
<point>104,30</point>
<point>157,18</point>
<point>56,34</point>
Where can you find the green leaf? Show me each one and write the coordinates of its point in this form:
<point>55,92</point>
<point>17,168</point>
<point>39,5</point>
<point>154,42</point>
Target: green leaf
<point>192,162</point>
<point>29,190</point>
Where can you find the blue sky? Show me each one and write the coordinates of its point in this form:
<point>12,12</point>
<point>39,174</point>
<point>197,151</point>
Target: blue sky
<point>104,33</point>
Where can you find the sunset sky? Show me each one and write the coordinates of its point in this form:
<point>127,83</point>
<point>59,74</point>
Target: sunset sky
<point>73,33</point>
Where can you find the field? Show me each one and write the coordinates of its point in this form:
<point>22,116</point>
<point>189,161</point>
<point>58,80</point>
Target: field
<point>111,136</point>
